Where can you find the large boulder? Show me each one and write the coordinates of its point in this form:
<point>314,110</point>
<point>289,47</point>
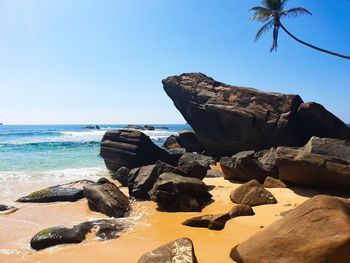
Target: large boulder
<point>317,231</point>
<point>180,250</point>
<point>147,176</point>
<point>253,194</point>
<point>213,222</point>
<point>104,229</point>
<point>230,119</point>
<point>105,197</point>
<point>176,193</point>
<point>65,192</point>
<point>321,163</point>
<point>195,165</point>
<point>130,148</point>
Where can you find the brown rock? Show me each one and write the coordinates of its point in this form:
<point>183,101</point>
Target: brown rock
<point>271,182</point>
<point>213,222</point>
<point>241,210</point>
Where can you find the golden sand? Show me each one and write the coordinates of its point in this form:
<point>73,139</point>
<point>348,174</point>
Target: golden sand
<point>151,230</point>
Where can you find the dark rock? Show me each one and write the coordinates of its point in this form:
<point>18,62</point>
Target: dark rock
<point>130,148</point>
<point>189,141</point>
<point>105,197</point>
<point>195,165</point>
<point>241,210</point>
<point>92,127</point>
<point>176,193</point>
<point>267,160</point>
<point>175,154</point>
<point>135,127</point>
<point>271,182</point>
<point>229,119</point>
<point>316,231</point>
<point>147,176</point>
<point>66,192</point>
<point>213,222</point>
<point>180,250</point>
<point>253,194</point>
<point>5,209</point>
<point>322,163</point>
<point>149,127</point>
<point>171,142</point>
<point>103,228</point>
<point>122,175</point>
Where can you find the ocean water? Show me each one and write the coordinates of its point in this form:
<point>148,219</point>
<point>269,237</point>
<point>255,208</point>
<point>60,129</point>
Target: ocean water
<point>51,154</point>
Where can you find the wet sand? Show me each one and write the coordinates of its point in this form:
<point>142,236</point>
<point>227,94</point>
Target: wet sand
<point>150,229</point>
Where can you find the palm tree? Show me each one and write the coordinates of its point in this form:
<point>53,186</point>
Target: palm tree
<point>271,12</point>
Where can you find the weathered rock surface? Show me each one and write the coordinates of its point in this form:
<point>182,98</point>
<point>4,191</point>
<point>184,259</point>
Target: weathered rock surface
<point>213,222</point>
<point>105,197</point>
<point>171,142</point>
<point>253,194</point>
<point>121,175</point>
<point>241,210</point>
<point>229,119</point>
<point>176,193</point>
<point>180,250</point>
<point>317,231</point>
<point>271,182</point>
<point>185,139</point>
<point>195,165</point>
<point>321,163</point>
<point>66,192</point>
<point>146,176</point>
<point>103,228</point>
<point>130,148</point>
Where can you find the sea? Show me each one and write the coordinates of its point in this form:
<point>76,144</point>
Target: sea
<point>52,154</point>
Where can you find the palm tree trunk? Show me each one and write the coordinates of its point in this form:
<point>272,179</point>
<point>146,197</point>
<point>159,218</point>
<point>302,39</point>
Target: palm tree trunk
<point>312,46</point>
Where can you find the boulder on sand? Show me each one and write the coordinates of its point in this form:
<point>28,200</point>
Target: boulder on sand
<point>241,210</point>
<point>316,231</point>
<point>321,163</point>
<point>180,250</point>
<point>104,229</point>
<point>105,197</point>
<point>253,194</point>
<point>230,119</point>
<point>195,165</point>
<point>271,182</point>
<point>176,193</point>
<point>130,148</point>
<point>213,222</point>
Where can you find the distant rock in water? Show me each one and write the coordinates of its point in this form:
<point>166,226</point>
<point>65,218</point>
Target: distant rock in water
<point>230,119</point>
<point>130,148</point>
<point>92,127</point>
<point>139,127</point>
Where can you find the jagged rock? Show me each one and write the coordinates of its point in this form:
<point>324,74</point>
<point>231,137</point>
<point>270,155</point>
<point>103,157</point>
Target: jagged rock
<point>253,194</point>
<point>271,182</point>
<point>66,192</point>
<point>195,165</point>
<point>105,197</point>
<point>121,175</point>
<point>321,163</point>
<point>147,176</point>
<point>316,231</point>
<point>180,250</point>
<point>229,119</point>
<point>130,148</point>
<point>213,222</point>
<point>103,228</point>
<point>244,166</point>
<point>241,210</point>
<point>176,193</point>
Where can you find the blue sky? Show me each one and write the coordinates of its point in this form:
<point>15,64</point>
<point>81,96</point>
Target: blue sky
<point>82,61</point>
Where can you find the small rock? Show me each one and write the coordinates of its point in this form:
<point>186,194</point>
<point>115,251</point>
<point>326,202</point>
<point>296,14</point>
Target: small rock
<point>213,222</point>
<point>271,182</point>
<point>5,209</point>
<point>241,210</point>
<point>121,175</point>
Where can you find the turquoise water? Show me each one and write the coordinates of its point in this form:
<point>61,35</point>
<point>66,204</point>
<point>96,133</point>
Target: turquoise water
<point>37,148</point>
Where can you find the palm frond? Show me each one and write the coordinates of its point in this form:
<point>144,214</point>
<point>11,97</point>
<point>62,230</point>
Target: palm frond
<point>261,14</point>
<point>295,12</point>
<point>264,29</point>
<point>273,5</point>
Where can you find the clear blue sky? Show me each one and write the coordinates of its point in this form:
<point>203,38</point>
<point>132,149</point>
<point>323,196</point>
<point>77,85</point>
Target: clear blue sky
<point>82,61</point>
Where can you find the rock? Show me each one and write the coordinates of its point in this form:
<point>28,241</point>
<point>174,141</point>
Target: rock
<point>103,228</point>
<point>171,142</point>
<point>241,210</point>
<point>130,148</point>
<point>297,236</point>
<point>195,165</point>
<point>135,127</point>
<point>5,209</point>
<point>92,127</point>
<point>267,160</point>
<point>180,250</point>
<point>322,163</point>
<point>175,154</point>
<point>271,182</point>
<point>253,194</point>
<point>176,193</point>
<point>66,192</point>
<point>147,176</point>
<point>121,175</point>
<point>188,140</point>
<point>214,173</point>
<point>230,119</point>
<point>244,167</point>
<point>149,127</point>
<point>213,222</point>
<point>105,197</point>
